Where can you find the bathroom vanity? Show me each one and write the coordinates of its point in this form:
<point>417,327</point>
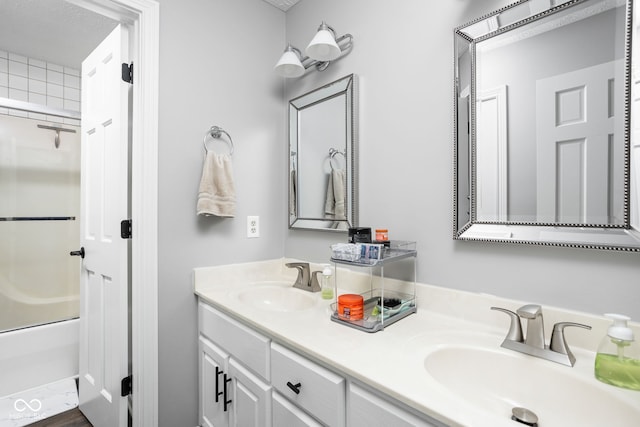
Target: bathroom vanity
<point>269,355</point>
<point>249,379</point>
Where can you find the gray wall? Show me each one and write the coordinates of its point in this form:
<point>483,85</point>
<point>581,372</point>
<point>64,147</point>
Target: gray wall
<point>403,53</point>
<point>216,61</point>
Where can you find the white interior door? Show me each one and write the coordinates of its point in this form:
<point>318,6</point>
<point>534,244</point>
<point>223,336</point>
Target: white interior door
<point>491,152</point>
<point>104,317</point>
<point>579,135</point>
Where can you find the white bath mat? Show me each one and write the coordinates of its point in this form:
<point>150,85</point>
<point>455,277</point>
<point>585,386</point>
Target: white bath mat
<point>36,404</point>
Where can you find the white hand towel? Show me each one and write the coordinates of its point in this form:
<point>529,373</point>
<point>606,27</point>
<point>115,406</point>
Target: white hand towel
<point>335,202</point>
<point>330,200</point>
<point>292,194</point>
<point>217,193</point>
<point>338,193</point>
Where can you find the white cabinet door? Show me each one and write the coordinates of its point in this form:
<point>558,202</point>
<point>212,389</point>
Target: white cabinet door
<point>369,410</point>
<point>212,369</point>
<point>287,414</point>
<point>251,402</point>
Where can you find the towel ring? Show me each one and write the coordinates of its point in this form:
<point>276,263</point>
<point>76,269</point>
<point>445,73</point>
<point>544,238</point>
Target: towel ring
<point>216,132</point>
<point>332,154</point>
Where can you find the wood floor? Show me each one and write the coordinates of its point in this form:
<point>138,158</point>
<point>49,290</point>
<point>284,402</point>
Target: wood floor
<point>72,418</point>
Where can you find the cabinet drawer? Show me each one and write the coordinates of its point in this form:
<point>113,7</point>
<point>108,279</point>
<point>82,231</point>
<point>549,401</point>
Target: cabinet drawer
<point>321,392</point>
<point>287,414</point>
<point>371,410</point>
<point>236,339</point>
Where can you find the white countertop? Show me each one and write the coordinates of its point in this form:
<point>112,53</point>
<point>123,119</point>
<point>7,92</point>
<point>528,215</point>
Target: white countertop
<point>392,360</point>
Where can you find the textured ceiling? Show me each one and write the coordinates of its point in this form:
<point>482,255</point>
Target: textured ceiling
<point>282,4</point>
<point>51,30</point>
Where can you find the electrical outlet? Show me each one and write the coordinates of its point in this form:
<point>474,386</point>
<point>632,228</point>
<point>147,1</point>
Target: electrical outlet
<point>253,226</point>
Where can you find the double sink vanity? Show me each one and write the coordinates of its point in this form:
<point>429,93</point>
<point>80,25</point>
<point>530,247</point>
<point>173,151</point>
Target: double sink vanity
<point>269,352</point>
<point>270,355</point>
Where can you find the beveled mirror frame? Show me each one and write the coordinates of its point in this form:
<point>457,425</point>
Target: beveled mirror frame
<point>465,223</point>
<point>346,87</point>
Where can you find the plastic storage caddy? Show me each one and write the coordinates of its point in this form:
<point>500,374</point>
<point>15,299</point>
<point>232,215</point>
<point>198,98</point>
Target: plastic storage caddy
<point>380,306</point>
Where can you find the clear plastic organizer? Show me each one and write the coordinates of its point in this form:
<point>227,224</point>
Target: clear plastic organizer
<point>358,252</point>
<point>382,306</point>
<point>376,316</point>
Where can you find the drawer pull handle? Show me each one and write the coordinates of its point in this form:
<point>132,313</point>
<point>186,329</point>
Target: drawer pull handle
<point>294,387</point>
<point>218,372</point>
<point>226,402</point>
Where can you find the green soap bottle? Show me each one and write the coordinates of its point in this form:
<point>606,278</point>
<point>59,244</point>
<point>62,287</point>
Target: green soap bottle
<point>618,357</point>
<point>326,285</point>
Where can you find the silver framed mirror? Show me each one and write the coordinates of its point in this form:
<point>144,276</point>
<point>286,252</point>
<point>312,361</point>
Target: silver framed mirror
<point>542,138</point>
<point>323,141</point>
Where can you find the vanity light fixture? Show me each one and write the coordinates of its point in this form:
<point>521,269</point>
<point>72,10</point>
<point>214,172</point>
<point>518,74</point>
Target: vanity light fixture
<point>323,49</point>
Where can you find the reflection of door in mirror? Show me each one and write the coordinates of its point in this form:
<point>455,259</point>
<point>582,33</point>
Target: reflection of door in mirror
<point>572,147</point>
<point>491,143</point>
<point>550,180</point>
<point>579,135</point>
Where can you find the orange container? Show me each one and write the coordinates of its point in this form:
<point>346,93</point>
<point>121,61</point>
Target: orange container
<point>351,306</point>
<point>382,234</point>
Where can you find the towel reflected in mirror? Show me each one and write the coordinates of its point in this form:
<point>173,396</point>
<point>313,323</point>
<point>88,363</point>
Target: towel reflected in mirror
<point>335,202</point>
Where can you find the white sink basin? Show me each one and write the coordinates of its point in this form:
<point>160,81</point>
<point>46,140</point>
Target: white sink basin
<point>496,382</point>
<point>276,296</point>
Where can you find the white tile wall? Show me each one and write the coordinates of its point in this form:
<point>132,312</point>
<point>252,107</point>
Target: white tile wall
<point>32,80</point>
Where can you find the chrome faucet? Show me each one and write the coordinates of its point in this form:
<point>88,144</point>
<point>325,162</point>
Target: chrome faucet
<point>535,325</point>
<point>534,345</point>
<point>306,281</point>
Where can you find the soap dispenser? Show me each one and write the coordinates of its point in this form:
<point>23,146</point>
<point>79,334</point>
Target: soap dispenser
<point>327,285</point>
<point>618,357</point>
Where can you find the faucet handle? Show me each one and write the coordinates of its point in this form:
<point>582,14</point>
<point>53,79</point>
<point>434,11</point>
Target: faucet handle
<point>559,343</point>
<point>515,329</point>
<point>529,311</point>
<point>314,284</point>
<point>297,264</point>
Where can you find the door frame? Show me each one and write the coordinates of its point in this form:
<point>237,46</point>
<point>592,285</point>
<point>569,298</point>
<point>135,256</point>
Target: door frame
<point>143,17</point>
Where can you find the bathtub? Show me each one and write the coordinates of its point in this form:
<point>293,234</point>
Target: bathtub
<point>37,355</point>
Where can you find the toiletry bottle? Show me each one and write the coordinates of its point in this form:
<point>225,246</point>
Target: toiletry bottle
<point>327,285</point>
<point>618,357</point>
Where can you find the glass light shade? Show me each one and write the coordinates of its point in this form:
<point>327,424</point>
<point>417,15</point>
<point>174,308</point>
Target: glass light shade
<point>323,47</point>
<point>289,65</point>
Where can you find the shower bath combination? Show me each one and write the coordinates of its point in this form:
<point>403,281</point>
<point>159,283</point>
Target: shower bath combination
<point>39,226</point>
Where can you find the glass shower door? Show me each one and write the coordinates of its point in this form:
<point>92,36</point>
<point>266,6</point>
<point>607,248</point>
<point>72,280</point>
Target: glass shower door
<point>39,222</point>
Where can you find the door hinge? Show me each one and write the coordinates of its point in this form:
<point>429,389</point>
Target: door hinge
<point>127,72</point>
<point>125,228</point>
<point>125,386</point>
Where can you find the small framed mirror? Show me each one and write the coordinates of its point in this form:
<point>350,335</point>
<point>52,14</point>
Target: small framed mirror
<point>323,157</point>
<point>542,140</point>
